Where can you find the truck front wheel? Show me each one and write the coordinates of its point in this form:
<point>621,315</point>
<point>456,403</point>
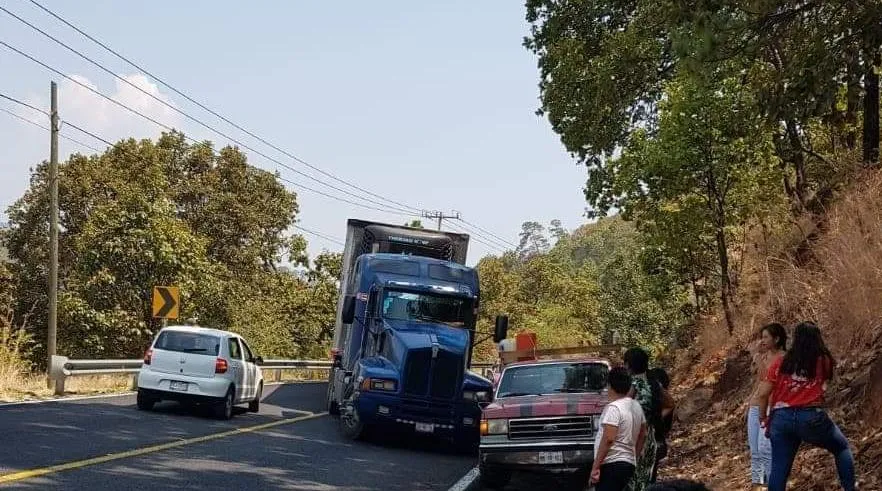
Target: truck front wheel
<point>333,406</point>
<point>350,424</point>
<point>494,478</point>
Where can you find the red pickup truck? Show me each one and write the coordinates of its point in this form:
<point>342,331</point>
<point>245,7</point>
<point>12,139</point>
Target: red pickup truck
<point>544,417</point>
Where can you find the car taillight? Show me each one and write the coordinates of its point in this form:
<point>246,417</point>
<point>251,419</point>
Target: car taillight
<point>220,366</point>
<point>148,356</point>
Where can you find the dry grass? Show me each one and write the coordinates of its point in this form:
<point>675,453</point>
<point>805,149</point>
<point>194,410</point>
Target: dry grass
<point>828,271</point>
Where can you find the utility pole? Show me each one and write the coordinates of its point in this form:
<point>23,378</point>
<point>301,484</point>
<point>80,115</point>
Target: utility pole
<point>438,215</point>
<point>53,222</point>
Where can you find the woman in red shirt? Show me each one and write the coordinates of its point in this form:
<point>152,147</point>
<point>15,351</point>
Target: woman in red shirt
<point>795,388</point>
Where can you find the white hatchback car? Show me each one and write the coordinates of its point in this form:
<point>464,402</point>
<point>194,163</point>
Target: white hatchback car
<point>195,364</point>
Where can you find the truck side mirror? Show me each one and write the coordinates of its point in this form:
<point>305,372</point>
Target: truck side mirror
<point>501,331</point>
<point>348,314</point>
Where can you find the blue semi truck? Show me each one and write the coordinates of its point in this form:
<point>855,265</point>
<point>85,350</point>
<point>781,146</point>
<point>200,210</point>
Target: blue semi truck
<point>404,335</point>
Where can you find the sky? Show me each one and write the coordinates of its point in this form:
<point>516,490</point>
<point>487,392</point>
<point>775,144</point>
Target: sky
<point>429,104</point>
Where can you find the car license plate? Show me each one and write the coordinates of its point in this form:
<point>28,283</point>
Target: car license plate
<point>551,458</point>
<point>181,386</point>
<point>425,427</point>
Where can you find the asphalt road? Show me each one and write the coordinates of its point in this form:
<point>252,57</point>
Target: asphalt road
<point>535,481</point>
<point>298,448</point>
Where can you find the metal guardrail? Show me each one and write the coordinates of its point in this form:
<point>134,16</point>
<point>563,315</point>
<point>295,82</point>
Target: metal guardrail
<point>61,368</point>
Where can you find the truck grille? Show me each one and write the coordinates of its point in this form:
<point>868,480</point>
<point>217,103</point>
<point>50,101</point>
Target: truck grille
<point>439,378</point>
<point>557,427</point>
<point>445,375</point>
<point>416,372</point>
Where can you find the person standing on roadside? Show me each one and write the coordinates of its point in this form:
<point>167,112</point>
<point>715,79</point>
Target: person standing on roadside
<point>772,343</point>
<point>621,436</point>
<point>795,388</point>
<point>660,376</point>
<point>656,404</point>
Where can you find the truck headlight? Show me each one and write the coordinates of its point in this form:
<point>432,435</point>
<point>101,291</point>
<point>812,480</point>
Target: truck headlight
<point>494,427</point>
<point>476,395</point>
<point>379,384</point>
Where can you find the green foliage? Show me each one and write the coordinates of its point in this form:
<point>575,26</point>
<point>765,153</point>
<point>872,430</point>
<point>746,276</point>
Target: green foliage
<point>589,287</point>
<point>167,213</point>
<point>414,224</point>
<point>702,120</point>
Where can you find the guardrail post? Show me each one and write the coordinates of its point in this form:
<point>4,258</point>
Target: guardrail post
<point>59,385</point>
<point>134,385</point>
<point>277,375</point>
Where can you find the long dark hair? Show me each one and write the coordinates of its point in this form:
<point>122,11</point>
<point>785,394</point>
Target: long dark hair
<point>778,332</point>
<point>807,351</point>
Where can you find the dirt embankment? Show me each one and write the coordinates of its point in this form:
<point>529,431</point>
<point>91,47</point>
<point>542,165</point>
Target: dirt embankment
<point>831,275</point>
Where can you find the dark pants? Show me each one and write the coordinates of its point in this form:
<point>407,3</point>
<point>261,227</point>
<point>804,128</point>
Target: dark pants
<point>614,476</point>
<point>790,427</point>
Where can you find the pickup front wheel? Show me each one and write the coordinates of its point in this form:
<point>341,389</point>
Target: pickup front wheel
<point>494,478</point>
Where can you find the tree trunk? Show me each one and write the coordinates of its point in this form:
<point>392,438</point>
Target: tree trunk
<point>725,281</point>
<point>793,139</point>
<point>871,113</point>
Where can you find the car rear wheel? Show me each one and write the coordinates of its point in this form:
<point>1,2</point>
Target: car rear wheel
<point>145,402</point>
<point>254,406</point>
<point>224,410</point>
<point>495,478</point>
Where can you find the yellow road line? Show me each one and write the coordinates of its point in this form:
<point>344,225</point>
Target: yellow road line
<point>42,471</point>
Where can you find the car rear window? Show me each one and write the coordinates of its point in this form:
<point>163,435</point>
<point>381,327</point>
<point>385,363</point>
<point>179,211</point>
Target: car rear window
<point>188,342</point>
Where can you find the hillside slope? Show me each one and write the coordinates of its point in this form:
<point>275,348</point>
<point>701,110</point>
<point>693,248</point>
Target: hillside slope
<point>831,275</point>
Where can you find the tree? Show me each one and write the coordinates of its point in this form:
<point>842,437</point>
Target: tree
<point>533,240</point>
<point>602,68</point>
<point>147,213</point>
<point>414,224</point>
<point>709,168</point>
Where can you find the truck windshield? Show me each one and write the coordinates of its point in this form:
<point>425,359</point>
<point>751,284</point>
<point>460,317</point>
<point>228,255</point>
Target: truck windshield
<point>553,378</point>
<point>426,307</point>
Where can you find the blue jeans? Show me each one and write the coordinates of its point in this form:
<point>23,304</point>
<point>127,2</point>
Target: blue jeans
<point>760,448</point>
<point>792,426</point>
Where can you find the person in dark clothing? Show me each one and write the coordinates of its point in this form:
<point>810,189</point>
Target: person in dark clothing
<point>663,429</point>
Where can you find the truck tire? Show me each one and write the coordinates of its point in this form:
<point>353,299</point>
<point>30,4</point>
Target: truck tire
<point>351,425</point>
<point>466,445</point>
<point>494,478</point>
<point>333,406</point>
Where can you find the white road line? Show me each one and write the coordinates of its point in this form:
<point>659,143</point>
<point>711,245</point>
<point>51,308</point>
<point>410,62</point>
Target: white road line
<point>66,399</point>
<point>124,394</point>
<point>467,482</point>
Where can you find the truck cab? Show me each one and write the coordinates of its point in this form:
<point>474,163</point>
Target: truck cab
<point>403,344</point>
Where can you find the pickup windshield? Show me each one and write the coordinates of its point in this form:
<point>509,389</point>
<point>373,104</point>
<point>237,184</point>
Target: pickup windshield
<point>425,307</point>
<point>553,378</point>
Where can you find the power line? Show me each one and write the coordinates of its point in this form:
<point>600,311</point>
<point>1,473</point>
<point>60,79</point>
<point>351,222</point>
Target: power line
<point>320,235</point>
<point>407,209</point>
<point>22,103</point>
<point>216,114</point>
<point>498,244</point>
<point>38,125</point>
<point>489,233</point>
<point>169,128</point>
<point>478,239</point>
<point>183,113</point>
